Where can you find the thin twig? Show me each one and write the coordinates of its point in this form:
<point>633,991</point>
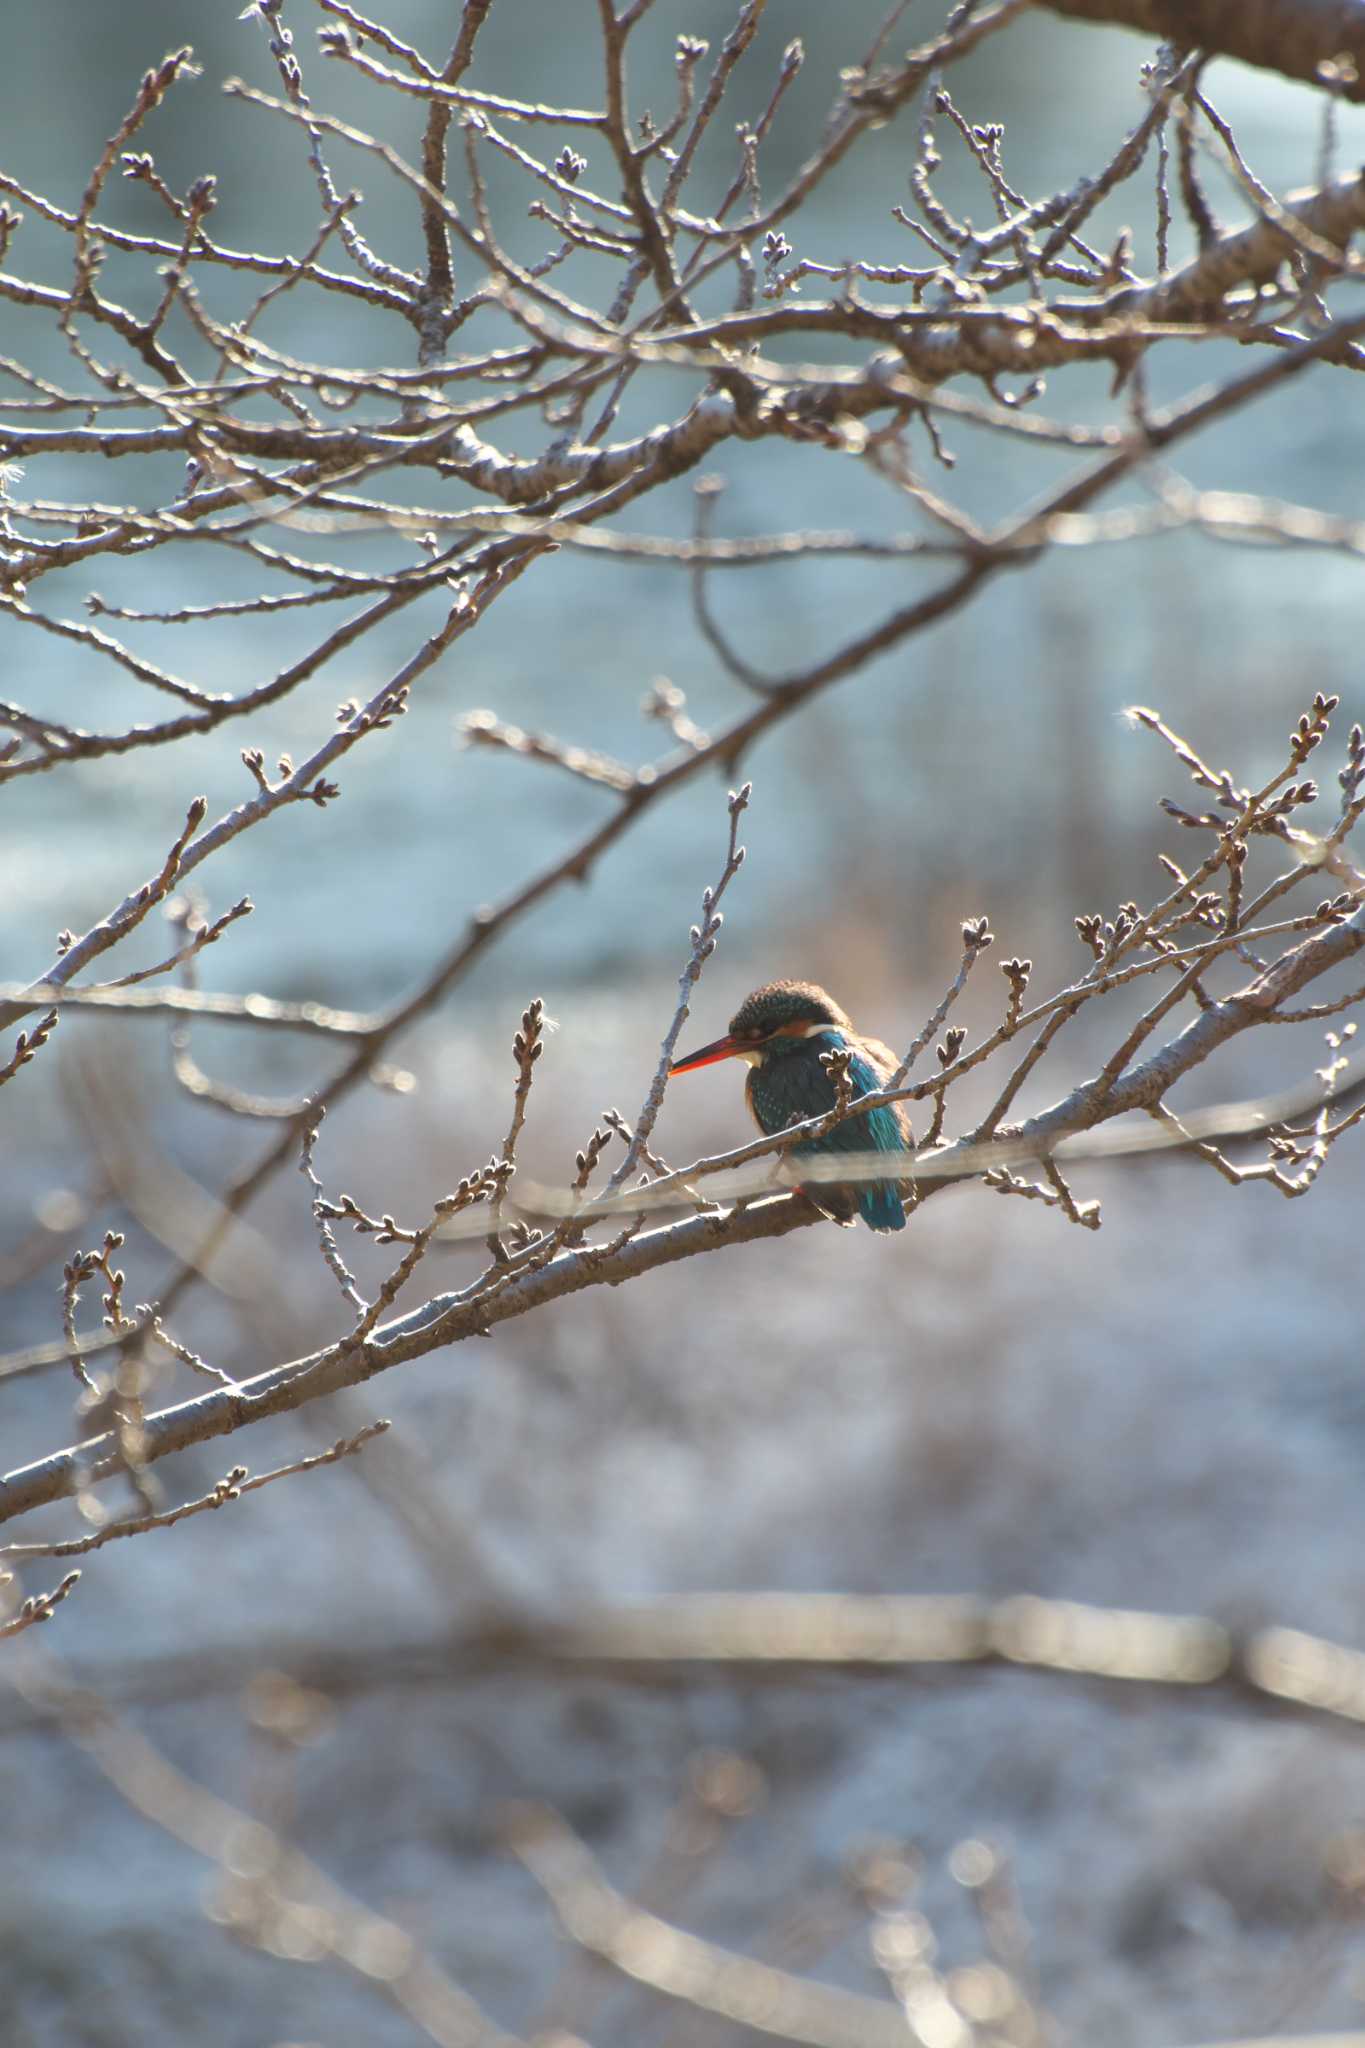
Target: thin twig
<point>230,1487</point>
<point>38,1606</point>
<point>704,938</point>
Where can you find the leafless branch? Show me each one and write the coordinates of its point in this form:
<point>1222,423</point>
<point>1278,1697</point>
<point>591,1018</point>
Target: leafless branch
<point>229,1488</point>
<point>704,1977</point>
<point>1294,37</point>
<point>704,938</point>
<point>38,1606</point>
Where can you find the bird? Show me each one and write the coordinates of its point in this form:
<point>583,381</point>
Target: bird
<point>782,1030</point>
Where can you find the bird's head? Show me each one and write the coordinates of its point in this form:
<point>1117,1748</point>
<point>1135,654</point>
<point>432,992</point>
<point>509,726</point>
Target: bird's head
<point>774,1020</point>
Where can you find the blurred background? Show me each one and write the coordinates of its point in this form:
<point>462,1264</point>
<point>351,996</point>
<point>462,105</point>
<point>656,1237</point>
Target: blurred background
<point>1167,1416</point>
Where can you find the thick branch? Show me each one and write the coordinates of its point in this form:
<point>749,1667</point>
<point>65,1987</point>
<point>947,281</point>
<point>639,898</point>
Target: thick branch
<point>448,1319</point>
<point>1294,37</point>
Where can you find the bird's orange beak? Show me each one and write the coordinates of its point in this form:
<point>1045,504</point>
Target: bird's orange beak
<point>721,1049</point>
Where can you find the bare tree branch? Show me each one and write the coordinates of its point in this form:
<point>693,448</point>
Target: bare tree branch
<point>231,1487</point>
<point>1297,38</point>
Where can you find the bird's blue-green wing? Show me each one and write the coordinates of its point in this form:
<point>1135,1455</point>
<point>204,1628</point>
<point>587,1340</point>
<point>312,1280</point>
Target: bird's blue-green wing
<point>880,1130</point>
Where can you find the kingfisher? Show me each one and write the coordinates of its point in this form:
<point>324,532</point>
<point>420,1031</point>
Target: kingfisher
<point>781,1030</point>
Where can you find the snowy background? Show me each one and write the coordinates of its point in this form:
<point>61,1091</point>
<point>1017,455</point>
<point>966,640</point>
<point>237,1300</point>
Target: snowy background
<point>1169,1415</point>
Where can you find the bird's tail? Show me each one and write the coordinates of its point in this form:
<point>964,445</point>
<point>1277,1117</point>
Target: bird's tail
<point>881,1206</point>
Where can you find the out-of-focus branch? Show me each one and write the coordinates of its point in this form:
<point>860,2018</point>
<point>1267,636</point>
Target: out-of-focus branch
<point>320,1019</point>
<point>702,1976</point>
<point>684,1639</point>
<point>1297,38</point>
<point>452,1318</point>
<point>274,443</point>
<point>280,1888</point>
<point>1001,549</point>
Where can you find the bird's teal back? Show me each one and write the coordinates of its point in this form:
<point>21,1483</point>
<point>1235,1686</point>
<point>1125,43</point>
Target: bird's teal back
<point>791,1082</point>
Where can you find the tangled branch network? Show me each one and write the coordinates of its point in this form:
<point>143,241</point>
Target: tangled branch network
<point>605,298</point>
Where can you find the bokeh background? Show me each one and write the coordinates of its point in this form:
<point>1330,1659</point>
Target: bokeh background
<point>1166,1416</point>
